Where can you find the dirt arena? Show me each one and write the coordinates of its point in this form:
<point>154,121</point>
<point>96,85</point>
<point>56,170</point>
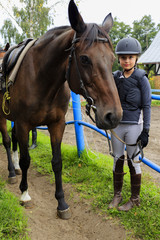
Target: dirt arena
<point>84,224</point>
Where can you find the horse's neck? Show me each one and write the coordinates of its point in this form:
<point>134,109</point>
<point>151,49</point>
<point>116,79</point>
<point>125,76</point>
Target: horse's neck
<point>56,53</point>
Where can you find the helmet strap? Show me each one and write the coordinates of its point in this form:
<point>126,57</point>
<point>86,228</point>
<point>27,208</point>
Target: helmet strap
<point>127,70</point>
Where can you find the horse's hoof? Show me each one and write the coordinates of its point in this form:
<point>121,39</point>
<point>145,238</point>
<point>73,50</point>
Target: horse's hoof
<point>18,171</point>
<point>12,180</point>
<point>27,204</point>
<point>64,214</point>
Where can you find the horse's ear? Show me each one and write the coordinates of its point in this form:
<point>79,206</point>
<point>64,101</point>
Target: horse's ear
<point>75,18</point>
<point>7,47</point>
<point>108,23</point>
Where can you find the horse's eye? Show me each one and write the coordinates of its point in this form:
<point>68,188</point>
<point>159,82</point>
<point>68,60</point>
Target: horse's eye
<point>85,60</point>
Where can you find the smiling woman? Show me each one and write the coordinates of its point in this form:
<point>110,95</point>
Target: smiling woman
<point>135,96</point>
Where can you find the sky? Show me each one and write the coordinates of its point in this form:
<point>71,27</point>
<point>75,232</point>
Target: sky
<point>125,10</point>
<point>96,10</point>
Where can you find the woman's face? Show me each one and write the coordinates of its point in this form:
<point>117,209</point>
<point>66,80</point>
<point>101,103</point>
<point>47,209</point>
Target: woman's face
<point>127,61</point>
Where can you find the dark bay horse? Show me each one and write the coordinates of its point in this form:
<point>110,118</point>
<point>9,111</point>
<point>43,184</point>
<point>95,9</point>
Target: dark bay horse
<point>83,55</point>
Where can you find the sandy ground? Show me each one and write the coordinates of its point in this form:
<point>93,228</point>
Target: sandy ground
<point>84,224</point>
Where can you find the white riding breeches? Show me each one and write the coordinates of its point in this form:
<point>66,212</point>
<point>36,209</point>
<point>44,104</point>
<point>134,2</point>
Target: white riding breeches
<point>129,134</point>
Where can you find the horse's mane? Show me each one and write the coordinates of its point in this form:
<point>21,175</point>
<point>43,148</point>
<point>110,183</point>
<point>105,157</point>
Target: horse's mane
<point>53,33</point>
<point>57,30</point>
<point>92,32</point>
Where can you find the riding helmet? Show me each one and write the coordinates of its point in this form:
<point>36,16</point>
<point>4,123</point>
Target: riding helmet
<point>128,45</point>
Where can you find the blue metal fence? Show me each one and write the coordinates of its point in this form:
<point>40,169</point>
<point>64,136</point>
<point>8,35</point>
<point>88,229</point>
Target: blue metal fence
<point>78,124</point>
<point>79,130</point>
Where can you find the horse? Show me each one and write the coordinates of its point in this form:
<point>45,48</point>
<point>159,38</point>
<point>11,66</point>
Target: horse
<point>78,57</point>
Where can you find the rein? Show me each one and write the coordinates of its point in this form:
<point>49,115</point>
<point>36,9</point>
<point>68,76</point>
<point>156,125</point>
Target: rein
<point>132,145</point>
<point>90,102</point>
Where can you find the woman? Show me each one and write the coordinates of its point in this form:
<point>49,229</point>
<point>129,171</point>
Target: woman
<point>135,96</point>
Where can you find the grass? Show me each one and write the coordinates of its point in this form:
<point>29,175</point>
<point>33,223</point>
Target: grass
<point>91,175</point>
<point>13,222</point>
<point>92,178</point>
<point>155,103</point>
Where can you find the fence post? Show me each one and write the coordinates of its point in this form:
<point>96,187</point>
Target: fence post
<point>78,127</point>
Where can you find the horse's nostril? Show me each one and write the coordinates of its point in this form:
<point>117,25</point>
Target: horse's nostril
<point>108,121</point>
<point>112,119</point>
<point>109,118</point>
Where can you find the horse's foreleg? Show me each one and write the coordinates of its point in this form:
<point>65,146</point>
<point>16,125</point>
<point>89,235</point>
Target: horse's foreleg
<point>24,162</point>
<point>7,144</point>
<point>56,133</point>
<point>15,157</point>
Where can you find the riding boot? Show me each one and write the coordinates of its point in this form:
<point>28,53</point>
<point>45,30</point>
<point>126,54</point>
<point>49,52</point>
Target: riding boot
<point>118,183</point>
<point>135,191</point>
<point>34,140</point>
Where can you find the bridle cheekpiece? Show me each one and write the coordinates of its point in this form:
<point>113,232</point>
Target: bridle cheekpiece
<point>90,102</point>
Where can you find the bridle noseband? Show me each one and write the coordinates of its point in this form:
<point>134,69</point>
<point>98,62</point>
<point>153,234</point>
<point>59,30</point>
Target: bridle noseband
<point>90,102</point>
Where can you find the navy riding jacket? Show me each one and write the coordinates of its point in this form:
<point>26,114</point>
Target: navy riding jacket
<point>135,96</point>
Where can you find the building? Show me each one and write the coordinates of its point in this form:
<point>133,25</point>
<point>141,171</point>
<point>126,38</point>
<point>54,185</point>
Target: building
<point>152,55</point>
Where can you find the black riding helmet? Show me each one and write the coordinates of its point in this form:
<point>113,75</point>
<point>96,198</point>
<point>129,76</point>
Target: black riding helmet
<point>128,45</point>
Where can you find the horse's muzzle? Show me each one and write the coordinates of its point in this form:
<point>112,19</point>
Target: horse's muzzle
<point>108,121</point>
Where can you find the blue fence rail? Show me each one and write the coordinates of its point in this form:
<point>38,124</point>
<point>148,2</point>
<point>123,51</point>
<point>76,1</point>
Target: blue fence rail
<point>155,96</point>
<point>78,124</point>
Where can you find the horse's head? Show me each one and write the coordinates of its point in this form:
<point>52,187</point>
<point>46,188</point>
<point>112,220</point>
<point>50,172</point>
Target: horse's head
<point>90,68</point>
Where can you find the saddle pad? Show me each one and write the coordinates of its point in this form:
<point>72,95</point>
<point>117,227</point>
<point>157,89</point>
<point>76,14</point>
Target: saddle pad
<point>14,55</point>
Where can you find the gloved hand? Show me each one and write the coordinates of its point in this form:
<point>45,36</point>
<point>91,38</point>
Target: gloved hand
<point>143,137</point>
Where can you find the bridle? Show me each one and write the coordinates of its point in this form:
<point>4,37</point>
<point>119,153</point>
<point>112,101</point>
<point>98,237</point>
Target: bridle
<point>90,102</point>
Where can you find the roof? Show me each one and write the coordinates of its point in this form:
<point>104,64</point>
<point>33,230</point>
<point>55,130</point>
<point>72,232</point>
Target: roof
<point>152,54</point>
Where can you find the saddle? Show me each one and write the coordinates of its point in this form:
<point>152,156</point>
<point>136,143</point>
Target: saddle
<point>10,59</point>
<point>12,56</point>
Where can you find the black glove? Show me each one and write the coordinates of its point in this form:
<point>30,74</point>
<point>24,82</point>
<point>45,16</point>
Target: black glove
<point>143,137</point>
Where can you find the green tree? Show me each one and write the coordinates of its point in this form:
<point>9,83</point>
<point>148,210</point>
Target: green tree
<point>32,19</point>
<point>145,31</point>
<point>158,27</point>
<point>118,31</point>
